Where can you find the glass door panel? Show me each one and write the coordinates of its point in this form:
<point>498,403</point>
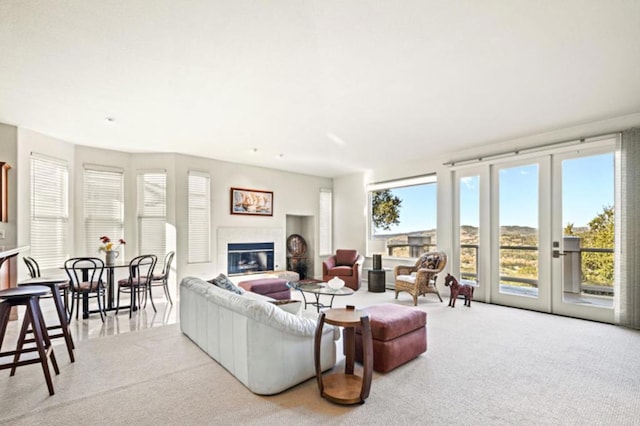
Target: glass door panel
<point>583,235</point>
<point>518,230</point>
<point>469,211</point>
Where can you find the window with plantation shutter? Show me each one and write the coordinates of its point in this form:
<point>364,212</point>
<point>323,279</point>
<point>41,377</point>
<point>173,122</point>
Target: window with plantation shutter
<point>103,207</point>
<point>152,213</point>
<point>324,231</point>
<point>199,214</point>
<point>49,211</point>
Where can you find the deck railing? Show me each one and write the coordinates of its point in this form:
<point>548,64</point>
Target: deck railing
<point>414,250</point>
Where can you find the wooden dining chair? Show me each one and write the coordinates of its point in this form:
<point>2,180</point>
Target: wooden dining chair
<point>85,279</point>
<point>162,279</point>
<point>138,283</point>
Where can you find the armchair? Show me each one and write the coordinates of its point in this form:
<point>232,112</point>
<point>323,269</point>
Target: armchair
<point>420,278</point>
<point>346,265</point>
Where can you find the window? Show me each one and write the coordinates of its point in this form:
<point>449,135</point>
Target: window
<point>403,216</point>
<point>325,243</point>
<point>152,213</point>
<point>103,206</point>
<point>199,214</point>
<point>49,211</point>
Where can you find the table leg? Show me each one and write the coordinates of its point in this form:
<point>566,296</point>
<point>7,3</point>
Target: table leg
<point>85,296</point>
<point>110,287</point>
<point>367,357</point>
<point>350,349</point>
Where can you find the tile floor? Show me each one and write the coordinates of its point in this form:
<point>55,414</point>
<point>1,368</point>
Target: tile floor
<point>93,327</point>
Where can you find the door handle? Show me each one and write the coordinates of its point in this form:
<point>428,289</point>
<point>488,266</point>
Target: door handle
<point>556,253</point>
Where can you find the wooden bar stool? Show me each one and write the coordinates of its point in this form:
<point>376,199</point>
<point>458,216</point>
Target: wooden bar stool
<point>29,297</point>
<point>53,284</point>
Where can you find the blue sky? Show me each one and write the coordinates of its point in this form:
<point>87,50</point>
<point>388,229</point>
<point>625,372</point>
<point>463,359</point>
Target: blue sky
<point>587,188</point>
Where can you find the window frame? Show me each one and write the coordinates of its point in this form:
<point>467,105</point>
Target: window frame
<point>376,244</point>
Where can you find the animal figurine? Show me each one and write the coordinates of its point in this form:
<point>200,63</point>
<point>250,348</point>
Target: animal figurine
<point>458,289</point>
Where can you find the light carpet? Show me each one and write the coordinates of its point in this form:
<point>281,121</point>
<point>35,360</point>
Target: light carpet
<point>484,365</point>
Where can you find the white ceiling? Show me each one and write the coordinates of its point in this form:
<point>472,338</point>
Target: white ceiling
<point>334,86</point>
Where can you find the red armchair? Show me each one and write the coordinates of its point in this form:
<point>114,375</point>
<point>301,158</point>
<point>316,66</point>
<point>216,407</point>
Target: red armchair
<point>346,265</point>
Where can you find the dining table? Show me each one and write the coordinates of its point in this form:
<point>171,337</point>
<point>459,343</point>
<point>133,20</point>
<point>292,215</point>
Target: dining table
<point>110,271</point>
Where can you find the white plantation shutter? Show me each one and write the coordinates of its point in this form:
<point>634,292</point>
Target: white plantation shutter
<point>325,243</point>
<point>199,214</point>
<point>103,207</point>
<point>49,211</point>
<point>152,213</point>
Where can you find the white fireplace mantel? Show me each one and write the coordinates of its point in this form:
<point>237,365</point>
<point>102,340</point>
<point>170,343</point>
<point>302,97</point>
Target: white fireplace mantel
<point>228,235</point>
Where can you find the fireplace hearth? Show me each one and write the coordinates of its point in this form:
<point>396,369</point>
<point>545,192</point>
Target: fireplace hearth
<point>245,258</point>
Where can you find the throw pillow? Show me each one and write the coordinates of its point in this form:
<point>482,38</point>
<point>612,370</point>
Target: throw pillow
<point>223,282</point>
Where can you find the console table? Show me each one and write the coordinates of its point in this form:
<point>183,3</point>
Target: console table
<point>346,388</point>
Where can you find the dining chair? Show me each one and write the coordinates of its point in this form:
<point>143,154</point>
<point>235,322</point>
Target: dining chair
<point>85,279</point>
<point>138,282</point>
<point>34,272</point>
<point>162,280</point>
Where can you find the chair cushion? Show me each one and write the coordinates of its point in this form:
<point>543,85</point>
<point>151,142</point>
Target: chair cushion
<point>88,286</point>
<point>430,262</point>
<point>136,282</point>
<point>407,278</point>
<point>346,257</point>
<point>341,271</point>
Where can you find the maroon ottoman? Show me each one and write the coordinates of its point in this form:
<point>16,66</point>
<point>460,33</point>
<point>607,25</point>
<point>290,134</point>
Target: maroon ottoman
<point>399,334</point>
<point>276,288</point>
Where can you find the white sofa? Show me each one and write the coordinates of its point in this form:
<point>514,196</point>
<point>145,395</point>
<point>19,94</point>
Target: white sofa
<point>264,347</point>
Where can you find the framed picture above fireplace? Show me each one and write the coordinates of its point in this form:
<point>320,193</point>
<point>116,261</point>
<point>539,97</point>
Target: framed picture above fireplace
<point>251,202</point>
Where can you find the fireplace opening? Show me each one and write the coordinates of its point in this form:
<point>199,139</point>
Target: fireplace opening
<point>244,258</point>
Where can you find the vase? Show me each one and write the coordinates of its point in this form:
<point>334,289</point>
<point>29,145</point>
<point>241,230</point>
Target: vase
<point>110,257</point>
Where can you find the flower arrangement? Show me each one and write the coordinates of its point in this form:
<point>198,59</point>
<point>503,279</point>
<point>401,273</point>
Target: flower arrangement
<point>108,245</point>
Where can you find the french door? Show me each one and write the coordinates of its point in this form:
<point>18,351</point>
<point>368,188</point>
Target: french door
<point>537,233</point>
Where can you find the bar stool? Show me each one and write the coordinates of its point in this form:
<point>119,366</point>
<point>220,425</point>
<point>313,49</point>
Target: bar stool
<point>53,284</point>
<point>29,297</point>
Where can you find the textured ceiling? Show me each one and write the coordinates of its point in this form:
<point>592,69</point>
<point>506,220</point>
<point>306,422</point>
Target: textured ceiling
<point>320,87</point>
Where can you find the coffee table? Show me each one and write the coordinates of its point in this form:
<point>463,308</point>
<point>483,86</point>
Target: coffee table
<point>320,289</point>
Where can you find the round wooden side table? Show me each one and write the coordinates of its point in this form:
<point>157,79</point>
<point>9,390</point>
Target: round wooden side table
<point>346,388</point>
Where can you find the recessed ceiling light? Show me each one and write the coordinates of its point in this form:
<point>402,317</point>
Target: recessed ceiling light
<point>110,119</point>
<point>280,155</point>
<point>255,149</point>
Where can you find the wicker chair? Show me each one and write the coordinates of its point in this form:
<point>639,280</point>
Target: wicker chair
<point>420,279</point>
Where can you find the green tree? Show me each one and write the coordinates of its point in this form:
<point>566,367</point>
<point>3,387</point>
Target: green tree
<point>598,267</point>
<point>568,230</point>
<point>385,209</point>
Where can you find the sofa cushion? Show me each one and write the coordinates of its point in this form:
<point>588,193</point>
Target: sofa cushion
<point>225,283</point>
<point>346,257</point>
<point>291,306</point>
<point>342,271</point>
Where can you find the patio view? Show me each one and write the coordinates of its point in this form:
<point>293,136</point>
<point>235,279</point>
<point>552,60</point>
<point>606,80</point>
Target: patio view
<point>587,214</point>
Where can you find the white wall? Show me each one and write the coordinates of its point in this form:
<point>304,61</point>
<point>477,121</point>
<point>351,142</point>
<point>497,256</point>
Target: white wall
<point>294,194</point>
